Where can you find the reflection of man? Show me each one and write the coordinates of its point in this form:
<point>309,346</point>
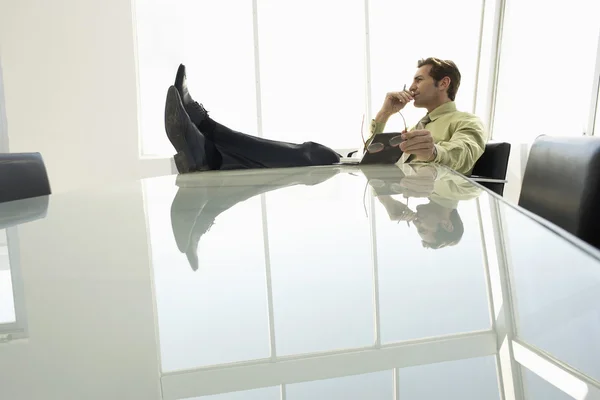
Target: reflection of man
<point>437,222</point>
<point>199,202</point>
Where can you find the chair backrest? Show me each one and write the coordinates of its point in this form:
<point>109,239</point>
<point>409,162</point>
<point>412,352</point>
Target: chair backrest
<point>22,175</point>
<point>493,164</point>
<point>562,184</point>
<point>494,161</point>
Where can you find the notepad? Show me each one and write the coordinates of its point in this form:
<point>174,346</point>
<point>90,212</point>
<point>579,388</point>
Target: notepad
<point>389,153</point>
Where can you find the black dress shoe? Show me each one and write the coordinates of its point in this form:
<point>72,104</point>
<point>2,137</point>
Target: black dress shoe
<point>195,110</point>
<point>189,143</point>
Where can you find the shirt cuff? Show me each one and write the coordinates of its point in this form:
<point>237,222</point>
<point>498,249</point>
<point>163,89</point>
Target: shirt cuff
<point>375,127</point>
<point>440,154</point>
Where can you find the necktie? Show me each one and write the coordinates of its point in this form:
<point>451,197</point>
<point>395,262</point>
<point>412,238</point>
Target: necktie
<point>424,121</point>
<point>420,125</point>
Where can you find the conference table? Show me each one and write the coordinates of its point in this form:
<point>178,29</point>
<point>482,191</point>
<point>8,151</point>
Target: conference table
<point>333,282</point>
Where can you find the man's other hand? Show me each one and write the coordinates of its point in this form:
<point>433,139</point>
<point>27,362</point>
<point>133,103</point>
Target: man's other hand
<point>395,101</point>
<point>420,143</point>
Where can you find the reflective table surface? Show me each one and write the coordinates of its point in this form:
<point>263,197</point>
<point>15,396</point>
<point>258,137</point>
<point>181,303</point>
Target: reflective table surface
<point>332,282</point>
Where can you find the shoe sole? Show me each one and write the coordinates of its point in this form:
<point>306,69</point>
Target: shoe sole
<point>179,77</point>
<point>176,121</point>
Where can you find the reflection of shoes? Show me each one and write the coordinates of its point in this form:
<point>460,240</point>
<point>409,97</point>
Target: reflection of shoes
<point>189,222</point>
<point>319,175</point>
<point>195,110</point>
<point>192,250</point>
<point>184,136</point>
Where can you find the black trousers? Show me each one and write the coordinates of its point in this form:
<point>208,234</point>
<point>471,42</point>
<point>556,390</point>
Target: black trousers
<point>241,151</point>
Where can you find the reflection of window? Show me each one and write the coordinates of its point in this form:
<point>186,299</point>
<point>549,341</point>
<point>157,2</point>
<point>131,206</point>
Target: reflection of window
<point>459,291</point>
<point>199,323</point>
<point>535,388</point>
<point>293,290</point>
<point>448,380</point>
<point>7,302</point>
<point>340,301</point>
<point>545,81</point>
<point>376,385</point>
<point>269,393</point>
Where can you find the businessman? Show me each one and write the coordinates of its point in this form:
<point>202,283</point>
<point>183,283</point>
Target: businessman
<point>444,136</point>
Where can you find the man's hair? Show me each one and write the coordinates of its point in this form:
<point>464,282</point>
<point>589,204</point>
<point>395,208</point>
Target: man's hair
<point>441,69</point>
<point>443,238</point>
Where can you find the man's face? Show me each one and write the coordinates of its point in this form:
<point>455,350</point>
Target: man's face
<point>424,88</point>
<point>429,220</point>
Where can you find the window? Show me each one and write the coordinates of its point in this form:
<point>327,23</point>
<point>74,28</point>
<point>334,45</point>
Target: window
<point>545,80</point>
<point>597,120</point>
<point>398,41</point>
<point>311,58</point>
<point>312,61</point>
<point>217,47</point>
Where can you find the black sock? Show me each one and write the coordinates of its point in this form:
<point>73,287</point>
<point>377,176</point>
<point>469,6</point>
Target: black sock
<point>214,158</point>
<point>207,127</point>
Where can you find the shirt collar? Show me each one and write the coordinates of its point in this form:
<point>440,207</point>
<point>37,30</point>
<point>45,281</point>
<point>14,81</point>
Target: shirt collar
<point>443,109</point>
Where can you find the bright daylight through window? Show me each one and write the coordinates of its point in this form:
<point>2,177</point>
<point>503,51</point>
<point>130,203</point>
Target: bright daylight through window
<point>312,62</point>
<point>545,84</point>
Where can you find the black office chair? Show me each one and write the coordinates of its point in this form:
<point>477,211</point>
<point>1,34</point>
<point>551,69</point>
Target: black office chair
<point>562,184</point>
<point>22,175</point>
<point>493,165</point>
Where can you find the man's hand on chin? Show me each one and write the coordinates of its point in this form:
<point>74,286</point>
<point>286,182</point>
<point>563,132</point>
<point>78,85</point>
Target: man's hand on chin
<point>420,143</point>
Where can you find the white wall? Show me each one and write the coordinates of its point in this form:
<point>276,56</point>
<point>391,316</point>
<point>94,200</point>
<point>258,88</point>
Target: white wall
<point>519,153</point>
<point>70,87</point>
<point>3,132</point>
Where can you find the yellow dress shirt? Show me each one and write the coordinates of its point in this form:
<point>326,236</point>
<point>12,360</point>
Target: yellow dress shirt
<point>459,137</point>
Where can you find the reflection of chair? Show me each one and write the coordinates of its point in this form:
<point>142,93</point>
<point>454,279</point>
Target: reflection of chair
<point>493,165</point>
<point>22,175</point>
<point>562,184</point>
<point>18,212</point>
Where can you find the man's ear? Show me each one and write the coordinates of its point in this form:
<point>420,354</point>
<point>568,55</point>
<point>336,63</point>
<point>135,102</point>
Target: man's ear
<point>445,82</point>
<point>447,225</point>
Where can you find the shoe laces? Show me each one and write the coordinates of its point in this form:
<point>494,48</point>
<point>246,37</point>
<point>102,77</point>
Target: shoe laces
<point>199,107</point>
